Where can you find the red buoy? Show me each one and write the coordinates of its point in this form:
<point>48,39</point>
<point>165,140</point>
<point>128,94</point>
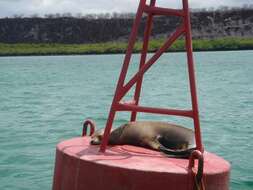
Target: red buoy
<point>80,166</point>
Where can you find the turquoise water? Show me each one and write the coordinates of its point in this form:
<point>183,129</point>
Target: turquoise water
<point>44,100</point>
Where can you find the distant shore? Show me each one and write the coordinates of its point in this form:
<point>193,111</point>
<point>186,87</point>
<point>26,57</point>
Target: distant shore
<point>25,49</point>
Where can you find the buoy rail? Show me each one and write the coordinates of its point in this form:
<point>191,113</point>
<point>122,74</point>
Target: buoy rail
<point>163,11</point>
<point>123,87</point>
<point>175,112</point>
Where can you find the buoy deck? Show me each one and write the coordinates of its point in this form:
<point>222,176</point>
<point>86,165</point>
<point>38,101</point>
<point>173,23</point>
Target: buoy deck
<point>80,165</point>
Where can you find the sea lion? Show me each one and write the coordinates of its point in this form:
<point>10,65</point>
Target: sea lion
<point>168,138</point>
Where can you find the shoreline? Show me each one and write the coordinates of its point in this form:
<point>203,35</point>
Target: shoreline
<point>199,45</point>
<point>113,53</point>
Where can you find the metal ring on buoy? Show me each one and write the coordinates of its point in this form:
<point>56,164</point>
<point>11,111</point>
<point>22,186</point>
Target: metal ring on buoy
<point>92,125</point>
<point>197,155</point>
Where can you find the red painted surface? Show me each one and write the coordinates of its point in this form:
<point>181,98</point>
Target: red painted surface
<point>80,166</point>
<point>123,87</point>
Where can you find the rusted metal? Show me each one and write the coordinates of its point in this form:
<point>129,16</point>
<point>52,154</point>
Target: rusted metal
<point>197,155</point>
<point>92,126</point>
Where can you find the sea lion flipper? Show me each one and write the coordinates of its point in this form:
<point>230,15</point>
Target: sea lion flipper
<point>178,153</point>
<point>153,144</point>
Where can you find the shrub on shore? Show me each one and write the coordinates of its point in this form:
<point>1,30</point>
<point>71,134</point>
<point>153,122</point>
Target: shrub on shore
<point>120,47</point>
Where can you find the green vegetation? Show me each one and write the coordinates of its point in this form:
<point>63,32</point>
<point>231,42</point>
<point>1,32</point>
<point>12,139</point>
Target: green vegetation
<point>120,47</point>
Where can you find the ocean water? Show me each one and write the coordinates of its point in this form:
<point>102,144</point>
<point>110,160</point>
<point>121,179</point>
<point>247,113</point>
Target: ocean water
<point>44,100</point>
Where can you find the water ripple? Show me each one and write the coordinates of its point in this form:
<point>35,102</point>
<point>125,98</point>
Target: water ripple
<point>44,100</point>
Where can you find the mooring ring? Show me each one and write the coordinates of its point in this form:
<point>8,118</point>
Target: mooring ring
<point>196,154</point>
<point>92,125</point>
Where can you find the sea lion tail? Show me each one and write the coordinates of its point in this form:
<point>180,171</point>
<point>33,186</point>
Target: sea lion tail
<point>177,153</point>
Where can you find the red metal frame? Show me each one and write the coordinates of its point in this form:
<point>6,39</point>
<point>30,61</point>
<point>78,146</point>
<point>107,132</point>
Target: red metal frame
<point>122,88</point>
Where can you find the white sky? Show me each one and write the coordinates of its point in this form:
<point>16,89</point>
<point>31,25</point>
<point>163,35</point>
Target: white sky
<point>41,7</point>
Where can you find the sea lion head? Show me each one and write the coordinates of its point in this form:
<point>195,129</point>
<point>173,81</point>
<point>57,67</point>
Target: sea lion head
<point>97,137</point>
